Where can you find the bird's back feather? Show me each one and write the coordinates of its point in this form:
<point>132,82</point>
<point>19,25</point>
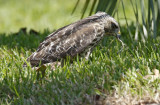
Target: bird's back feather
<point>70,40</point>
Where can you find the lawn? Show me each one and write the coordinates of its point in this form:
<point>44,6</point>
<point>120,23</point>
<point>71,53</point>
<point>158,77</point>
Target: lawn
<point>38,15</point>
<point>109,76</point>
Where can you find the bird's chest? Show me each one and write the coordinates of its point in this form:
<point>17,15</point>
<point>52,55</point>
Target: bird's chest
<point>97,38</point>
<point>93,44</point>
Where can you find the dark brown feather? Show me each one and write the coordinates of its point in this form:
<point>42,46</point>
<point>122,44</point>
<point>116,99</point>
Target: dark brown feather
<point>70,40</point>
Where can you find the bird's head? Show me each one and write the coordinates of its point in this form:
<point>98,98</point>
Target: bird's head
<point>111,27</point>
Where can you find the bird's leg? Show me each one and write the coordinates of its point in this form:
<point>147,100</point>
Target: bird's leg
<point>88,54</point>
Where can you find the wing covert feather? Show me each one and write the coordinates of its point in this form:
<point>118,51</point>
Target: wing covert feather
<point>69,40</point>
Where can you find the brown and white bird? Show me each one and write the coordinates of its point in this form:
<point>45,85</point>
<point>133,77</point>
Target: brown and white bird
<point>78,38</point>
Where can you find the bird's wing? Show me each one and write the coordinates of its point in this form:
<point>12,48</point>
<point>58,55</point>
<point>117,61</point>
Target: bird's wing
<point>69,40</point>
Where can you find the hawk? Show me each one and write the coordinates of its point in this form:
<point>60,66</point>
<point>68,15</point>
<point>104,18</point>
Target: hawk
<point>78,38</point>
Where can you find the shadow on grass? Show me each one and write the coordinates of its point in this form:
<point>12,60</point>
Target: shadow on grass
<point>23,39</point>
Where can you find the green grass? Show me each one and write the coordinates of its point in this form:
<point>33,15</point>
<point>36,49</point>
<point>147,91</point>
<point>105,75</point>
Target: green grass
<point>105,72</point>
<point>38,15</point>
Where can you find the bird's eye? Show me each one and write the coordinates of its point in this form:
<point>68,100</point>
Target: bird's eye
<point>113,25</point>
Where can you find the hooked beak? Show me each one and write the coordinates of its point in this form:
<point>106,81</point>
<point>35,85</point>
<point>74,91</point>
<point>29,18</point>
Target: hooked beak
<point>118,35</point>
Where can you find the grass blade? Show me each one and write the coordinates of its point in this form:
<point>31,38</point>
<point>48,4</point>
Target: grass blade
<point>149,14</point>
<point>154,19</point>
<point>75,7</point>
<point>143,12</point>
<point>158,17</point>
<point>135,10</point>
<point>143,19</point>
<point>107,5</point>
<point>101,5</point>
<point>112,7</point>
<point>130,34</point>
<point>93,6</point>
<point>85,8</point>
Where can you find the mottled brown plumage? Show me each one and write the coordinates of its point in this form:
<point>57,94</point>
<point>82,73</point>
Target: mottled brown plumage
<point>78,38</point>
